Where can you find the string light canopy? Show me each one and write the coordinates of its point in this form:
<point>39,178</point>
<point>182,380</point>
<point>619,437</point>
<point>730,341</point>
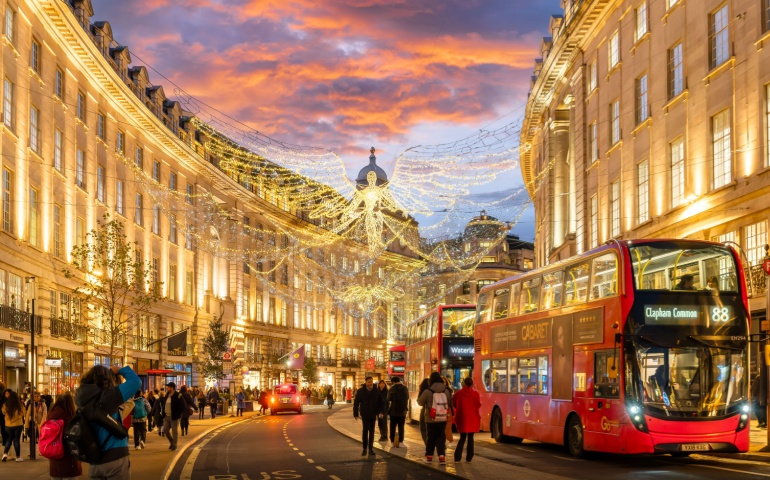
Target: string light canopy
<point>357,243</point>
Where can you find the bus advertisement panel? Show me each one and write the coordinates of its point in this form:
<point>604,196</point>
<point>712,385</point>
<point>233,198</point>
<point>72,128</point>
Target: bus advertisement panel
<point>441,340</point>
<point>634,347</point>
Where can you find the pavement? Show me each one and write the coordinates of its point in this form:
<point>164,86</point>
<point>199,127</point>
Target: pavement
<point>413,449</point>
<point>149,463</point>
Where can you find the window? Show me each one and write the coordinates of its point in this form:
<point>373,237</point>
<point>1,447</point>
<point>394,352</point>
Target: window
<point>57,151</point>
<point>766,15</point>
<point>100,126</point>
<point>642,105</point>
<point>606,383</point>
<point>675,71</point>
<point>767,122</point>
<point>155,273</point>
<point>57,231</point>
<point>172,229</point>
<point>188,288</point>
<point>80,231</point>
<point>138,212</point>
<point>156,219</point>
<point>641,21</point>
<point>552,290</point>
<point>604,281</point>
<point>754,241</point>
<point>34,130</point>
<point>120,146</point>
<point>643,191</point>
<point>677,172</point>
<point>593,142</point>
<point>615,122</point>
<point>594,233</point>
<point>8,103</point>
<point>719,37</point>
<point>80,172</point>
<point>615,209</point>
<point>613,50</point>
<point>172,181</point>
<point>576,283</point>
<point>100,179</point>
<point>119,207</point>
<point>172,282</point>
<point>34,56</point>
<point>58,84</point>
<point>33,218</point>
<point>139,158</point>
<point>156,171</point>
<point>530,295</point>
<point>10,20</point>
<point>720,125</point>
<point>189,194</point>
<point>188,239</point>
<point>592,77</point>
<point>81,109</point>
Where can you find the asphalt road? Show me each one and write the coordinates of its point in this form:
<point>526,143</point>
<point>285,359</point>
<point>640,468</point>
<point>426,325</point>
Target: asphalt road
<point>289,446</point>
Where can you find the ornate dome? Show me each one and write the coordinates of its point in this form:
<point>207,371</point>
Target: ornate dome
<point>483,226</point>
<point>382,177</point>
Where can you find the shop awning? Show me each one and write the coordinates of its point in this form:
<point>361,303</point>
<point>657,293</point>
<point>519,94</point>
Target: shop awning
<point>161,372</point>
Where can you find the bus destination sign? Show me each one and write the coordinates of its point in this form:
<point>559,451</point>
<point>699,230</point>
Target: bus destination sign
<point>689,315</point>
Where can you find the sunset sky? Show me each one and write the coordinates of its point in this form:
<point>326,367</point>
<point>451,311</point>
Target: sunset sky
<point>345,75</point>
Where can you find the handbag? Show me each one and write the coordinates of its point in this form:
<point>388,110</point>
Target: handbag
<point>448,429</point>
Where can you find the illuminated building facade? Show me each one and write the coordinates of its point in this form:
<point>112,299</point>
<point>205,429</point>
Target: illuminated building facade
<point>652,119</point>
<point>75,112</point>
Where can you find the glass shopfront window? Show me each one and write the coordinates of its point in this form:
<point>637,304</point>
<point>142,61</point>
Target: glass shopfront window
<point>67,377</point>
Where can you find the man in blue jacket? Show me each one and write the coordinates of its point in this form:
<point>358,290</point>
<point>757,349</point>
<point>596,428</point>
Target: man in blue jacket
<point>102,385</point>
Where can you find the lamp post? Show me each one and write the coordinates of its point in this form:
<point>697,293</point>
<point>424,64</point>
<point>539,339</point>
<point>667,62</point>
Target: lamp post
<point>32,369</point>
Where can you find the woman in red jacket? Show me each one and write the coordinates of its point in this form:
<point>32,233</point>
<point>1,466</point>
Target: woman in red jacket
<point>68,466</point>
<point>466,404</point>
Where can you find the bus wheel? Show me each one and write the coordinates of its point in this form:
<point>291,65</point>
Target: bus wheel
<point>496,428</point>
<point>575,437</point>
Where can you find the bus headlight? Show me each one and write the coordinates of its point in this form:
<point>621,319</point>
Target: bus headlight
<point>744,418</point>
<point>636,413</point>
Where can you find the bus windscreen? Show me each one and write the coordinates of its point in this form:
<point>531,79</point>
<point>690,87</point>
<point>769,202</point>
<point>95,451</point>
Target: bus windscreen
<point>458,322</point>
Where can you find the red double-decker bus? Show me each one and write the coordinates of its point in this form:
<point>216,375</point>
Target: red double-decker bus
<point>396,361</point>
<point>441,340</point>
<point>634,347</point>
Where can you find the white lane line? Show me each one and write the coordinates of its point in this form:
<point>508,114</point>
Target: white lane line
<point>745,472</point>
<point>568,458</point>
<point>321,469</point>
<point>334,477</point>
<point>301,454</point>
<point>526,450</point>
<point>295,449</point>
<point>310,460</point>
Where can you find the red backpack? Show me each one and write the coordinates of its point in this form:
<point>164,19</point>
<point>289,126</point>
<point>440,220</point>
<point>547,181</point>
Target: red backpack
<point>51,439</point>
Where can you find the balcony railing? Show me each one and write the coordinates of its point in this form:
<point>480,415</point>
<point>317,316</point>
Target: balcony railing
<point>70,331</point>
<point>380,364</point>
<point>253,358</point>
<point>350,362</point>
<point>327,362</point>
<point>145,344</point>
<point>19,320</point>
<point>103,337</point>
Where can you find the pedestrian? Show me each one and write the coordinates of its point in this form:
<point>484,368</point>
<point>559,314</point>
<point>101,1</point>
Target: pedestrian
<point>172,407</point>
<point>398,407</point>
<point>13,411</point>
<point>37,411</point>
<point>3,434</point>
<point>151,401</point>
<point>467,404</point>
<point>67,467</point>
<point>189,407</point>
<point>759,402</point>
<point>263,399</point>
<point>329,397</point>
<point>240,402</point>
<point>102,386</point>
<point>382,422</point>
<point>369,406</point>
<point>423,426</point>
<point>213,398</point>
<point>157,411</point>
<point>435,401</point>
<point>47,398</point>
<point>139,420</point>
<point>201,404</point>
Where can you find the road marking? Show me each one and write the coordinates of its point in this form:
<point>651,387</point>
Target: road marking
<point>567,458</point>
<point>295,449</point>
<point>733,470</point>
<point>290,444</point>
<point>321,469</point>
<point>526,450</point>
<point>334,477</point>
<point>301,454</point>
<point>310,460</point>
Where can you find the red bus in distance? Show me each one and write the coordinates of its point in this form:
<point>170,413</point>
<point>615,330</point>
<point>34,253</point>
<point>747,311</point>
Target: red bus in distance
<point>634,347</point>
<point>440,340</point>
<point>396,361</point>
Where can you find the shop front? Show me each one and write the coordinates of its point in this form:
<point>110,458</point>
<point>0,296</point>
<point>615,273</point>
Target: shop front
<point>14,364</point>
<point>65,369</point>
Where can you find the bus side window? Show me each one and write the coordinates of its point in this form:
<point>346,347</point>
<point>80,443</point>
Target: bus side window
<point>501,303</point>
<point>542,374</point>
<point>483,308</point>
<point>552,290</point>
<point>488,374</point>
<point>576,283</point>
<point>515,288</point>
<point>513,373</point>
<point>500,377</point>
<point>605,276</point>
<point>606,375</point>
<point>530,295</point>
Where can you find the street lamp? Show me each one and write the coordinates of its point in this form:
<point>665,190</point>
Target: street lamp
<point>33,364</point>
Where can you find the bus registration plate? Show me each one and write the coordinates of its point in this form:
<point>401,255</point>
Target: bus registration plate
<point>695,447</point>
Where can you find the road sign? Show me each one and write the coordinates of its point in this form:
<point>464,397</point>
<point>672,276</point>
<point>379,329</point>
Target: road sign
<point>232,350</point>
<point>227,356</point>
<point>766,266</point>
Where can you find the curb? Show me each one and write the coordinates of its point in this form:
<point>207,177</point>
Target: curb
<point>172,463</point>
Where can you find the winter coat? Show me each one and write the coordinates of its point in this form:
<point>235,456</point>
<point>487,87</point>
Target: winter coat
<point>202,402</point>
<point>157,410</point>
<point>398,400</point>
<point>240,398</point>
<point>178,406</point>
<point>426,400</point>
<point>67,466</point>
<point>189,404</point>
<point>17,420</point>
<point>263,399</point>
<point>41,412</point>
<point>467,403</point>
<point>111,400</point>
<point>368,404</point>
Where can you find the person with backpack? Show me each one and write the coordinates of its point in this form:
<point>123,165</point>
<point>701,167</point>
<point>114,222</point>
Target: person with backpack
<point>435,401</point>
<point>172,406</point>
<point>139,419</point>
<point>398,407</point>
<point>467,403</point>
<point>65,466</point>
<point>98,399</point>
<point>13,411</point>
<point>370,406</point>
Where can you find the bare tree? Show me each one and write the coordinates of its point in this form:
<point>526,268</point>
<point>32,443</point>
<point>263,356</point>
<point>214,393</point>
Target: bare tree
<point>117,285</point>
